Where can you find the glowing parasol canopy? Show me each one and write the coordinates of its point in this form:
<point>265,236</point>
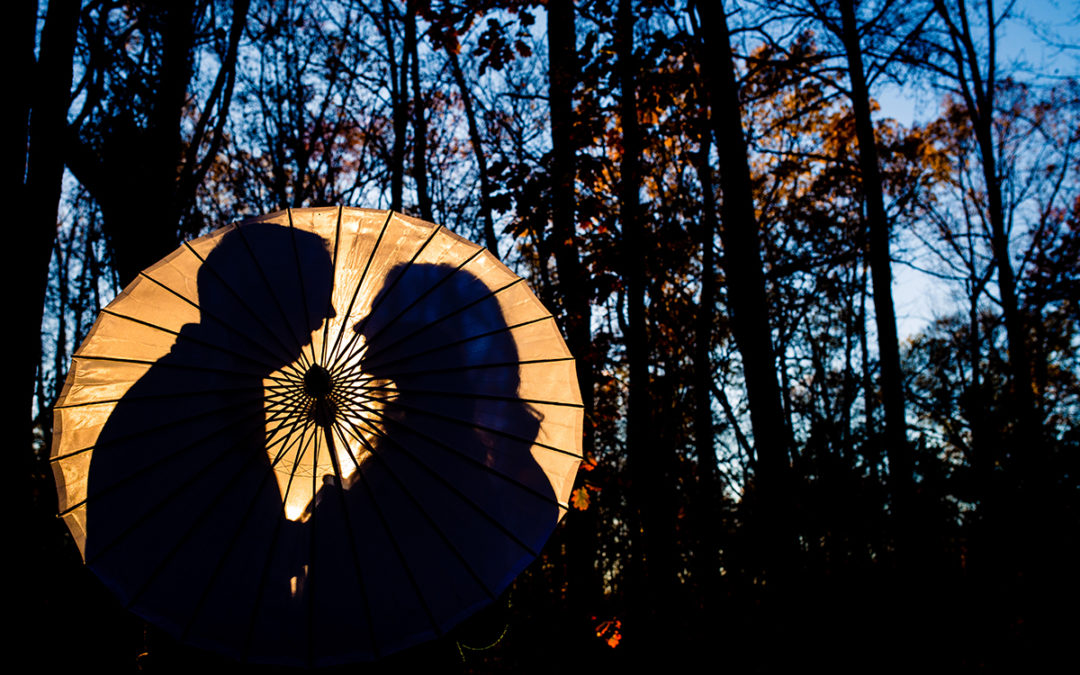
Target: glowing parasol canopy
<point>316,437</point>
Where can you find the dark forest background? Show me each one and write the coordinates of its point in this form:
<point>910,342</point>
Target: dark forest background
<point>714,202</point>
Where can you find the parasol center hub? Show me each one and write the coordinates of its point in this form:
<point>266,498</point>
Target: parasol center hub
<point>317,382</point>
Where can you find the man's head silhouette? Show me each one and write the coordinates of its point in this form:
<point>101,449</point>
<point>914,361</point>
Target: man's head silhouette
<point>270,283</point>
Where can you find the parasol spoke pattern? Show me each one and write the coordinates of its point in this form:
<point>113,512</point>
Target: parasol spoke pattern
<point>317,437</point>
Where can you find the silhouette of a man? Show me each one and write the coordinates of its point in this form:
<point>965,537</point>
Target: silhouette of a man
<point>184,517</point>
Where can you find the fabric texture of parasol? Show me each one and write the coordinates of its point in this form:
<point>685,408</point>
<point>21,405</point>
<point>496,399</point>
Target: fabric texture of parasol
<point>317,437</point>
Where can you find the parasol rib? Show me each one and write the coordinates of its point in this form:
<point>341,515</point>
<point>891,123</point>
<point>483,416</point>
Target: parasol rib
<point>357,330</point>
<point>435,474</point>
<point>432,324</point>
<point>330,298</point>
<point>424,512</point>
<point>191,528</point>
<point>452,369</point>
<point>139,471</point>
<point>300,278</point>
<point>151,397</point>
<point>372,363</point>
<point>252,313</point>
<point>385,291</point>
<point>307,424</point>
<point>310,580</point>
<point>386,528</point>
<point>471,460</point>
<point>290,378</point>
<point>349,529</point>
<point>363,276</point>
<point>158,505</point>
<point>277,301</point>
<point>498,432</point>
<point>286,446</point>
<point>141,432</point>
<point>467,394</point>
<point>275,358</point>
<point>180,335</point>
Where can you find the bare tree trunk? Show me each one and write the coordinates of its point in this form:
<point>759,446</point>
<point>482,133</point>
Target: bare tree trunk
<point>870,447</point>
<point>134,180</point>
<point>63,251</point>
<point>45,167</point>
<point>983,459</point>
<point>849,371</point>
<point>1021,522</point>
<point>704,441</point>
<point>901,464</point>
<point>653,571</point>
<point>399,87</point>
<point>573,283</point>
<point>490,240</point>
<point>420,172</point>
<point>746,287</point>
<point>977,89</point>
<point>34,177</point>
<point>194,171</point>
<point>19,55</point>
<point>136,172</point>
<point>1015,326</point>
<point>564,238</point>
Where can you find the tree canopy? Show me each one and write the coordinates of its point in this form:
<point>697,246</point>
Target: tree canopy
<point>716,201</point>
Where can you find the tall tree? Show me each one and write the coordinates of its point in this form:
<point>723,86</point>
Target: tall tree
<point>745,279</point>
<point>420,127</point>
<point>901,464</point>
<point>652,567</point>
<point>973,74</point>
<point>127,146</point>
<point>37,156</point>
<point>490,238</point>
<point>574,284</point>
<point>309,135</point>
<point>398,72</point>
<point>33,170</point>
<point>704,438</point>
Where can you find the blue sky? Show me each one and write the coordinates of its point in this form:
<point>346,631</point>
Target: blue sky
<point>1040,44</point>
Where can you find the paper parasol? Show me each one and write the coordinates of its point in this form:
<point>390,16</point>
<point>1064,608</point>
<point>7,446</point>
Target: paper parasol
<point>317,437</point>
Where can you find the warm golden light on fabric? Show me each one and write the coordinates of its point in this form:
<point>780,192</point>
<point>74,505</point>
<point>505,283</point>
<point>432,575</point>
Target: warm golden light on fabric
<point>321,415</point>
